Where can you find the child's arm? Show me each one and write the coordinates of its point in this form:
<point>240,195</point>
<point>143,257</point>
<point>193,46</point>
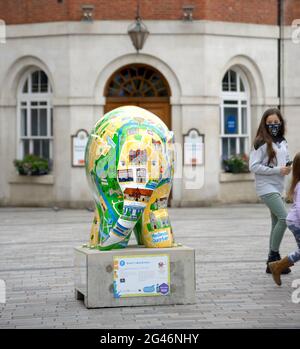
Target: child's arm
<point>256,166</point>
<point>297,201</point>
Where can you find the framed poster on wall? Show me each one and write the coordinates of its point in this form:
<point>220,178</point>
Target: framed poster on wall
<point>193,151</point>
<point>78,144</point>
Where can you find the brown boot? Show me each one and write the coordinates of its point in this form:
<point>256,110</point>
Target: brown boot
<point>277,268</point>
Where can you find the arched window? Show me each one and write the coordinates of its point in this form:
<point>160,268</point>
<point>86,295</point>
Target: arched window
<point>35,115</point>
<point>137,81</point>
<point>235,114</point>
<point>141,85</point>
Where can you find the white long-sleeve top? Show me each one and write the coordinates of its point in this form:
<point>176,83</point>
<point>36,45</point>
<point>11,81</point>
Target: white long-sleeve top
<point>267,177</point>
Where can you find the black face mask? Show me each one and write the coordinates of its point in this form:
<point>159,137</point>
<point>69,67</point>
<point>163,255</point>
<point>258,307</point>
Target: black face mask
<point>274,129</point>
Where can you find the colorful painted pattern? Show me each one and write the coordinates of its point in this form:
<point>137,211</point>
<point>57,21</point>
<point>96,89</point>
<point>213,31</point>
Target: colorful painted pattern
<point>130,165</point>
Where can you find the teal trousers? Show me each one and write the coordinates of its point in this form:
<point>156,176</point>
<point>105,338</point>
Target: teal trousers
<point>276,205</point>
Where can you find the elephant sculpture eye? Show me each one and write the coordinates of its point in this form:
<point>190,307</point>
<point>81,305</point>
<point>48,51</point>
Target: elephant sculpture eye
<point>129,162</point>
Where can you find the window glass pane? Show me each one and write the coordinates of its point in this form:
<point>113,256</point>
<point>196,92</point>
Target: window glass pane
<point>150,93</point>
<point>128,87</point>
<point>244,102</point>
<point>37,147</point>
<point>225,148</point>
<point>225,84</point>
<point>25,87</point>
<point>25,147</point>
<point>148,74</point>
<point>154,79</point>
<point>45,148</point>
<point>34,103</point>
<point>51,121</point>
<point>24,122</point>
<point>242,87</point>
<point>35,82</point>
<point>125,73</point>
<point>145,87</point>
<point>34,122</point>
<point>244,121</point>
<point>163,93</point>
<point>43,122</point>
<point>230,120</point>
<point>118,79</point>
<point>44,82</point>
<point>242,146</point>
<point>141,71</point>
<point>133,71</point>
<point>230,102</point>
<point>232,146</point>
<point>233,83</point>
<point>114,85</point>
<point>136,85</point>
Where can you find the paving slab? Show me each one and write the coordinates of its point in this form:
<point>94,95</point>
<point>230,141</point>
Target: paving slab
<point>233,290</point>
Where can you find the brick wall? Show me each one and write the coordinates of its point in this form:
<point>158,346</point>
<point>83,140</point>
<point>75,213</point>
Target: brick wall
<point>291,11</point>
<point>246,11</point>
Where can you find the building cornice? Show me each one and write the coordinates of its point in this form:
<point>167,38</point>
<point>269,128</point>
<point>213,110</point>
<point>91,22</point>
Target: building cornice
<point>201,27</point>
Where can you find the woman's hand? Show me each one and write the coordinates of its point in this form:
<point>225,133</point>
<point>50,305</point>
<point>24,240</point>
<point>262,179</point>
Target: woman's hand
<point>285,170</point>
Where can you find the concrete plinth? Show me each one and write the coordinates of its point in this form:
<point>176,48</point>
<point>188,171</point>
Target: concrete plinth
<point>94,277</point>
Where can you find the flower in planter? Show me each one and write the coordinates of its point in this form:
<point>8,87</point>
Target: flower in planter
<point>236,164</point>
<point>32,165</point>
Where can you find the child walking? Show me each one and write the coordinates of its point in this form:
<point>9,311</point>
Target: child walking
<point>293,223</point>
<point>269,161</point>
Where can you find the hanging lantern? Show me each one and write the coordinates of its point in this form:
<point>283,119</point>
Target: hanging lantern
<point>138,33</point>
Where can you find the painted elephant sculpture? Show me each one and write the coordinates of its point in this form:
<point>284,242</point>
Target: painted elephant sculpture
<point>130,165</point>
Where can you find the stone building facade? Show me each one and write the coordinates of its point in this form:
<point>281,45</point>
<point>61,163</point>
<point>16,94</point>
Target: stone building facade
<point>215,74</point>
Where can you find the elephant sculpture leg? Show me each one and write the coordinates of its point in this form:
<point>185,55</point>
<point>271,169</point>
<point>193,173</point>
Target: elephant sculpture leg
<point>94,235</point>
<point>157,230</point>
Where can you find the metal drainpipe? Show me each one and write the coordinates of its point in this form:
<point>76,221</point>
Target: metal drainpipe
<point>280,88</point>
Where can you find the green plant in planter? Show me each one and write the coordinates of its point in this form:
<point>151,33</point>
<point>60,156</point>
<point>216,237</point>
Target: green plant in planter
<point>32,165</point>
<point>236,164</point>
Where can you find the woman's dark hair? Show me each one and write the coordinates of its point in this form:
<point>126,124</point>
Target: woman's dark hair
<point>263,135</point>
<point>295,177</point>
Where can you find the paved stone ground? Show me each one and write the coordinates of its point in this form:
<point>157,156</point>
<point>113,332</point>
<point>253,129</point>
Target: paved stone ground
<point>233,291</point>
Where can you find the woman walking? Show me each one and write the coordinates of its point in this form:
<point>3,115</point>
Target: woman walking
<point>269,161</point>
<point>293,223</point>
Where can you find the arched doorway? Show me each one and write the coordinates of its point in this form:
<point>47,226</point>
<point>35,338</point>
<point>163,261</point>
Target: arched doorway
<point>140,85</point>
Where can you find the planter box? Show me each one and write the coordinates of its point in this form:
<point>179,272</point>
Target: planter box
<point>227,177</point>
<point>20,179</point>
